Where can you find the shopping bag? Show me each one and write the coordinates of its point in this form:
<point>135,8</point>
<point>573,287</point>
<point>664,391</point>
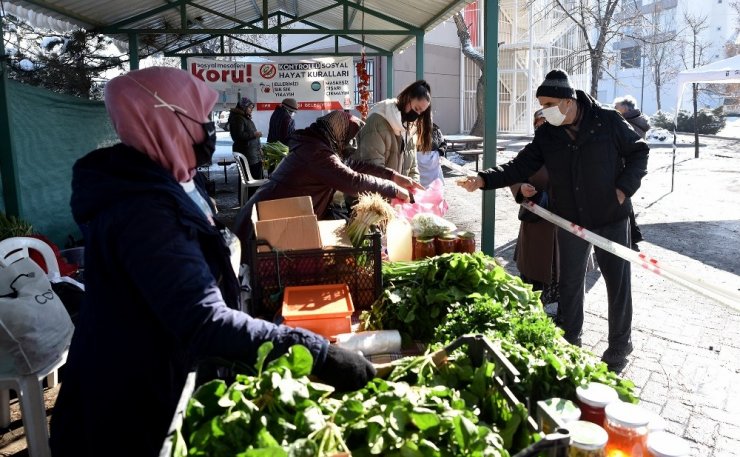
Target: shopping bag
<point>35,328</point>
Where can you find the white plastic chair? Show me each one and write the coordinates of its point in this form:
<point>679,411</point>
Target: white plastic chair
<point>247,180</point>
<point>28,387</point>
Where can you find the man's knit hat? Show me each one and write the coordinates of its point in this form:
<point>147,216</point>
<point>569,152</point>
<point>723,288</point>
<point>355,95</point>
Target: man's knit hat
<point>556,85</point>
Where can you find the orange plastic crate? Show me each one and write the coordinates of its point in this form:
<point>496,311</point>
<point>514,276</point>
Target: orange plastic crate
<point>324,309</point>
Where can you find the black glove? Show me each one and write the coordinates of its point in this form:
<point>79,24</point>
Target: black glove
<point>345,370</point>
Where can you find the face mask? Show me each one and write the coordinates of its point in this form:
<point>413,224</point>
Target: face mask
<point>205,149</point>
<point>553,115</point>
<point>411,116</point>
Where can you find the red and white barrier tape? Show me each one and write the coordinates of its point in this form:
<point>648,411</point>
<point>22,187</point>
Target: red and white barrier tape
<point>725,296</point>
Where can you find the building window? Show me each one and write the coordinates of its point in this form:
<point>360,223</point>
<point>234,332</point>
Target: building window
<point>630,57</point>
<point>370,69</point>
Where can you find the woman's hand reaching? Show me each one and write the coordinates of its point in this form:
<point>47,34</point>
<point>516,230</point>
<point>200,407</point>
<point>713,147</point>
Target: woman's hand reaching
<point>406,182</point>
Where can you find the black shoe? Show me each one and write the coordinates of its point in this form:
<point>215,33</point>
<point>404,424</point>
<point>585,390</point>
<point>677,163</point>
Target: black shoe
<point>616,359</point>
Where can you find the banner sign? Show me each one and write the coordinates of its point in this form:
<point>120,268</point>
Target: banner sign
<point>316,84</point>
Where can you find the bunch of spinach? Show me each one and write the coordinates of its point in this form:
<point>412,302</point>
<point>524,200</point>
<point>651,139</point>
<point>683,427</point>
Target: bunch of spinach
<point>421,410</point>
<point>440,299</point>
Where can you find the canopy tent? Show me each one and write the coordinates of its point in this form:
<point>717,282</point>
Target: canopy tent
<point>721,71</point>
<point>180,28</point>
<point>726,71</point>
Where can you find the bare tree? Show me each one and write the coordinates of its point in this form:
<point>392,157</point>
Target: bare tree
<point>599,22</point>
<point>696,48</point>
<point>477,57</point>
<point>657,38</point>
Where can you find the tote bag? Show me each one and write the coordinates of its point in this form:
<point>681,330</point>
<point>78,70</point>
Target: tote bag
<point>35,328</point>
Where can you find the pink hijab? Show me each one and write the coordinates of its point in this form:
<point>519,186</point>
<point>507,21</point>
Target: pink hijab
<point>142,105</point>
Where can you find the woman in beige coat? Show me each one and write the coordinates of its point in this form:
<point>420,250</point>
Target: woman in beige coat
<point>396,128</point>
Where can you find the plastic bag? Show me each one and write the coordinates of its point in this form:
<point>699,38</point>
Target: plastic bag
<point>35,328</point>
<point>428,224</point>
<point>430,200</point>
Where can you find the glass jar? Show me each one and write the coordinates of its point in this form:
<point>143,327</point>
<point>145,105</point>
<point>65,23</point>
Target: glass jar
<point>663,444</point>
<point>560,410</point>
<point>446,243</point>
<point>592,399</point>
<point>586,439</point>
<point>626,425</point>
<point>424,247</point>
<point>465,242</point>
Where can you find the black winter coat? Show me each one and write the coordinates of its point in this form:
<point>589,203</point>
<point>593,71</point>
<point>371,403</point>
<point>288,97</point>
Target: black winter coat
<point>282,126</point>
<point>584,174</point>
<point>160,293</point>
<point>244,134</point>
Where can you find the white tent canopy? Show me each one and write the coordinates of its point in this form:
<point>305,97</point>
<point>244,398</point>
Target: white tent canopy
<point>721,71</point>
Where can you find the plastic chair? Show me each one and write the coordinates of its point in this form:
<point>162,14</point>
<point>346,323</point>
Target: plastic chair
<point>28,387</point>
<point>245,176</point>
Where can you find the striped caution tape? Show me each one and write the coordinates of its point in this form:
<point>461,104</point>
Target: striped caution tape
<point>725,296</point>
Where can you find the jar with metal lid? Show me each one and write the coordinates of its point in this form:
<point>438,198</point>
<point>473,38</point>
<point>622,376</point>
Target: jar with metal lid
<point>592,399</point>
<point>626,425</point>
<point>446,243</point>
<point>424,247</point>
<point>586,439</point>
<point>465,242</point>
<point>663,444</point>
<point>560,410</point>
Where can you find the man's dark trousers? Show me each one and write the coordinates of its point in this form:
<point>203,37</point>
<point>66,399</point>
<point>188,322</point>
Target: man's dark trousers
<point>574,253</point>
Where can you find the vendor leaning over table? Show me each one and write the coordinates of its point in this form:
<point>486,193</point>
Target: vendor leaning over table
<point>161,293</point>
<point>316,167</point>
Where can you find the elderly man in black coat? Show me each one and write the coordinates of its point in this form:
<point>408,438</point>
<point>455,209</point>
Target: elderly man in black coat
<point>596,162</point>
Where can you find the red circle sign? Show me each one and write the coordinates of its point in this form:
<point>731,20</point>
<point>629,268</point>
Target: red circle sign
<point>268,71</point>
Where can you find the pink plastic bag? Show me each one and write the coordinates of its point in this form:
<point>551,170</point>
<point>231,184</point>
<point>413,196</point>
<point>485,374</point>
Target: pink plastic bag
<point>429,200</point>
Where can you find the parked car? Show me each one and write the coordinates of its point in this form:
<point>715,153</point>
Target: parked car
<point>223,120</point>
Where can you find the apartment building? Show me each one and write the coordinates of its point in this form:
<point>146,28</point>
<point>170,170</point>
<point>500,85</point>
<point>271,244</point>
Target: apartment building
<point>662,43</point>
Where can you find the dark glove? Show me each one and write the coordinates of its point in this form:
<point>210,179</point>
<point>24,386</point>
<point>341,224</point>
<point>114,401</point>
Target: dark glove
<point>345,370</point>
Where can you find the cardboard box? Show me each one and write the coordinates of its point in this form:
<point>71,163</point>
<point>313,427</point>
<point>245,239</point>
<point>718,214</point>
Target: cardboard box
<point>324,309</point>
<point>290,224</point>
<point>287,224</point>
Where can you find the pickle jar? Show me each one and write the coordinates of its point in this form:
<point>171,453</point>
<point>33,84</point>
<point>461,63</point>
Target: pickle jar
<point>446,243</point>
<point>663,444</point>
<point>465,242</point>
<point>424,247</point>
<point>586,439</point>
<point>592,399</point>
<point>626,425</point>
<point>560,410</point>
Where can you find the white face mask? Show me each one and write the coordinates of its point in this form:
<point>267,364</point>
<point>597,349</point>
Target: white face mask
<point>553,115</point>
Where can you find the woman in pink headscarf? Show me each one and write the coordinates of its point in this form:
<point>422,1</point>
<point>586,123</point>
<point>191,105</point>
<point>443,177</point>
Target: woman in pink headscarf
<point>161,293</point>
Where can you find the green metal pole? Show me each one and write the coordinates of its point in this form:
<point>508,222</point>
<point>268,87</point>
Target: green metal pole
<point>133,51</point>
<point>420,55</point>
<point>490,48</point>
<point>8,165</point>
<point>389,76</point>
<point>184,63</point>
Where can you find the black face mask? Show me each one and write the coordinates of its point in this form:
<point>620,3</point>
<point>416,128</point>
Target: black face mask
<point>411,116</point>
<point>205,149</point>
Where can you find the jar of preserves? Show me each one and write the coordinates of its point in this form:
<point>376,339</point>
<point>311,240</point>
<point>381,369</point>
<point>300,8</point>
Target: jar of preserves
<point>663,444</point>
<point>424,247</point>
<point>592,399</point>
<point>446,243</point>
<point>465,242</point>
<point>560,410</point>
<point>626,425</point>
<point>586,439</point>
